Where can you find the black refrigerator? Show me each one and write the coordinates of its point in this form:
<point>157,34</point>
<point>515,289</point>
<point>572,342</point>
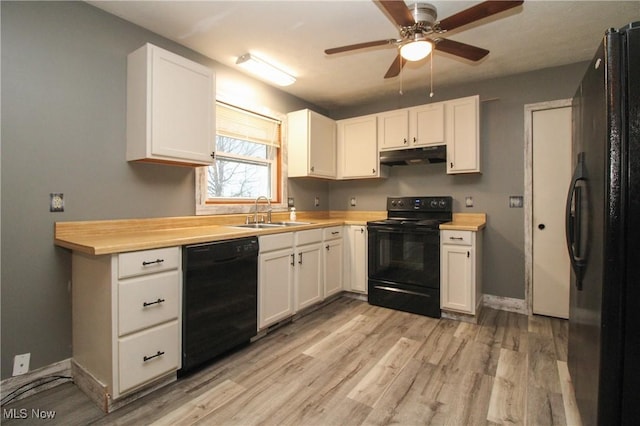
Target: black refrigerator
<point>603,234</point>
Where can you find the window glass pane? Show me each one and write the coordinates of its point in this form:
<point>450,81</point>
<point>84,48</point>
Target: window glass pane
<point>230,178</point>
<point>241,147</point>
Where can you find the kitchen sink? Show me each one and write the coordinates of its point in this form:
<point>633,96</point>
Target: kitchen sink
<point>258,225</point>
<point>270,225</point>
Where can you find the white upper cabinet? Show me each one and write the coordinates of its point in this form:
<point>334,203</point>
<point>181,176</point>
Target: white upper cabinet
<point>358,148</point>
<point>426,125</point>
<point>393,129</point>
<point>170,108</point>
<point>311,139</point>
<point>463,135</point>
<point>412,127</point>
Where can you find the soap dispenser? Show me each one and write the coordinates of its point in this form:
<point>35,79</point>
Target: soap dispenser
<point>292,214</point>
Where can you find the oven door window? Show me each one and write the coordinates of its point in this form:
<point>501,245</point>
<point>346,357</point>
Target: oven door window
<point>405,256</point>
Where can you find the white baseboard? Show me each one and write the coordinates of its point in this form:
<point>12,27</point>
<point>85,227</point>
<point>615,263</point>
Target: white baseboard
<point>60,368</point>
<point>505,304</point>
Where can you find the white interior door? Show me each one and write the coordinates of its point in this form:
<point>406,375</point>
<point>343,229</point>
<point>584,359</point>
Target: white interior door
<point>551,130</point>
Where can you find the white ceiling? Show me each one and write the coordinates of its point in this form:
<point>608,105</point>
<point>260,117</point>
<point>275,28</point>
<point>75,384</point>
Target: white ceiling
<point>294,34</point>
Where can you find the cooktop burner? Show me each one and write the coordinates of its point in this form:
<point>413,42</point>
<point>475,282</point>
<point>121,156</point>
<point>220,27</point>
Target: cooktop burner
<point>428,212</point>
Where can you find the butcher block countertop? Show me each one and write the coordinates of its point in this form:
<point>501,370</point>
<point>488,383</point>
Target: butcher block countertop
<point>466,222</point>
<point>119,236</point>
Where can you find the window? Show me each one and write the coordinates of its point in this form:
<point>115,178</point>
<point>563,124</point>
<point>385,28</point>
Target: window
<point>247,161</point>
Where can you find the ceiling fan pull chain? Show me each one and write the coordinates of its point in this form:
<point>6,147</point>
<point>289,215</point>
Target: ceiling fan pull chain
<point>401,73</point>
<point>431,76</point>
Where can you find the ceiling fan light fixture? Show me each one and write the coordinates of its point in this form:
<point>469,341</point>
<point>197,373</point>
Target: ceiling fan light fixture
<point>416,50</point>
<point>265,70</point>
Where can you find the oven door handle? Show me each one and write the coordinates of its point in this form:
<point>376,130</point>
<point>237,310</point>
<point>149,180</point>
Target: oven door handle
<point>403,230</point>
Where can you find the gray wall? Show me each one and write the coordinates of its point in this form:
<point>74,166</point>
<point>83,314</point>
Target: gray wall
<point>63,130</point>
<point>502,159</point>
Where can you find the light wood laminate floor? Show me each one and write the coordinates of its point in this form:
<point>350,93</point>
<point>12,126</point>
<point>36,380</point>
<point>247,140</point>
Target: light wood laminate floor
<point>350,363</point>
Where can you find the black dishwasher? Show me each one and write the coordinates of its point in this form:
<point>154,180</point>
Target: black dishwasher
<point>220,298</point>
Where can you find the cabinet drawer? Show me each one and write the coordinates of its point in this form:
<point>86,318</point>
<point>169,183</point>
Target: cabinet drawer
<point>147,301</point>
<point>456,237</point>
<point>148,261</point>
<point>309,236</point>
<point>332,233</point>
<point>147,355</point>
<point>275,242</point>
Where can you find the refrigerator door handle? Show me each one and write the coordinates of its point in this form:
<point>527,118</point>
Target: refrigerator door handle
<point>573,221</point>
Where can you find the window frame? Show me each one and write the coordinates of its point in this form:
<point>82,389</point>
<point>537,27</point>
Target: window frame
<point>207,206</point>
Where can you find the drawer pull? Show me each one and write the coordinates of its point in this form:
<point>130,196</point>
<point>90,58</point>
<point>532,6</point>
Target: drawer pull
<point>144,263</point>
<point>456,238</point>
<point>335,232</point>
<point>149,358</point>
<point>145,304</point>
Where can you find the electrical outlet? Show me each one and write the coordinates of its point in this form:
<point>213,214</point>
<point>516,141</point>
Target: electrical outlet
<point>290,202</point>
<point>352,202</point>
<point>316,202</point>
<point>515,201</point>
<point>468,201</point>
<point>56,202</point>
<point>21,364</point>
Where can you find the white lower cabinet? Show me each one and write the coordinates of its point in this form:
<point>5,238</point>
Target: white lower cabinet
<point>333,260</point>
<point>461,275</point>
<point>126,321</point>
<point>308,281</point>
<point>356,276</point>
<point>289,274</point>
<point>276,263</point>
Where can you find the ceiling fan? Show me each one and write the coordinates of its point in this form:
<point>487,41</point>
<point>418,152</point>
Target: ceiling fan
<point>420,31</point>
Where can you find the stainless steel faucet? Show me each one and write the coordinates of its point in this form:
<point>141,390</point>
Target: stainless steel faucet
<point>255,214</point>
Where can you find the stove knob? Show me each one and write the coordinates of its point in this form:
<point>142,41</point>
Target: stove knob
<point>401,203</point>
<point>442,204</point>
<point>393,203</point>
<point>434,203</point>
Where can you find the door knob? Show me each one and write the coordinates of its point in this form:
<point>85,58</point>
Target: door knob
<point>541,226</point>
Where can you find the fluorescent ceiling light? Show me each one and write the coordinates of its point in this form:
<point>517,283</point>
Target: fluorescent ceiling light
<point>265,70</point>
<point>415,50</point>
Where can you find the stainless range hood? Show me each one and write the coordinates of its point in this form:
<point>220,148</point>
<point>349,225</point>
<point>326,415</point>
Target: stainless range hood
<point>427,155</point>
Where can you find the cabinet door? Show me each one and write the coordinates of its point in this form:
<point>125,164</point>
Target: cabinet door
<point>463,135</point>
<point>275,286</point>
<point>358,258</point>
<point>308,280</point>
<point>358,144</point>
<point>426,125</point>
<point>322,146</point>
<point>457,289</point>
<point>170,101</point>
<point>393,129</point>
<point>332,267</point>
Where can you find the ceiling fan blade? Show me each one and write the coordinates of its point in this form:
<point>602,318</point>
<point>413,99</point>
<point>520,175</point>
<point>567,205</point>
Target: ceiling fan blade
<point>395,67</point>
<point>463,50</point>
<point>477,12</point>
<point>359,46</point>
<point>397,10</point>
